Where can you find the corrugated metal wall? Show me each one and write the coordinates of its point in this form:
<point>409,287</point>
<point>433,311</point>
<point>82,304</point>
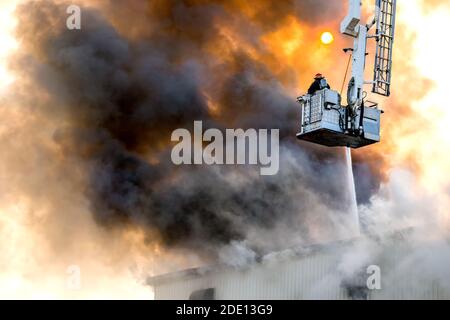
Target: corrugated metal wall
<point>311,276</point>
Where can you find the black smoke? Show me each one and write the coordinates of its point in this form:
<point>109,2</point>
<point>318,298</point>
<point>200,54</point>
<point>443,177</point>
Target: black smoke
<point>117,94</point>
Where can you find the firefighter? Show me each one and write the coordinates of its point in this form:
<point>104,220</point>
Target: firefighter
<point>319,83</point>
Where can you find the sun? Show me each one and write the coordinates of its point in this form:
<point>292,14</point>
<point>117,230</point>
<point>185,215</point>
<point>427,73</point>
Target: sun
<point>326,38</point>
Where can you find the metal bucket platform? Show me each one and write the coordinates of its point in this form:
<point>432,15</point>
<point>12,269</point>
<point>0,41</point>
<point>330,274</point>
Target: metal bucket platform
<point>324,122</point>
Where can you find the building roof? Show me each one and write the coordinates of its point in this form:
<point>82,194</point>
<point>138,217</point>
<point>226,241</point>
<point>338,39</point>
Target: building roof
<point>288,254</point>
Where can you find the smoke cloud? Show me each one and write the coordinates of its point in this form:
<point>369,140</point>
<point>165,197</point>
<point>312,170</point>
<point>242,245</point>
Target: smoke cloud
<point>88,125</point>
<point>119,99</point>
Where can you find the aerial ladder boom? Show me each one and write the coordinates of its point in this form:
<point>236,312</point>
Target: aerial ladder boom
<point>324,119</point>
<point>384,19</point>
<point>385,40</point>
<point>352,27</point>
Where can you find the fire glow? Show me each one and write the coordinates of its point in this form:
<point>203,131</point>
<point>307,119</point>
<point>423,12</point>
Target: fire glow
<point>49,224</point>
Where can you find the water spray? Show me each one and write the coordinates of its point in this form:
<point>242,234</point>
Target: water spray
<point>352,191</point>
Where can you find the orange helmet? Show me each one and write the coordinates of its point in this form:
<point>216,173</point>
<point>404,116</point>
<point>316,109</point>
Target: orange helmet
<point>318,76</point>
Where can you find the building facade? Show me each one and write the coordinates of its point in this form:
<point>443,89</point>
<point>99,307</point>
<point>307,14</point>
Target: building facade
<point>339,271</point>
